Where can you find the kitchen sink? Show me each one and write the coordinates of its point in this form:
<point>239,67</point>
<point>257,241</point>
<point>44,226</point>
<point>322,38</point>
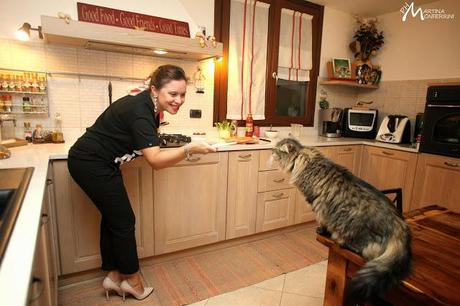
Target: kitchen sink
<point>13,187</point>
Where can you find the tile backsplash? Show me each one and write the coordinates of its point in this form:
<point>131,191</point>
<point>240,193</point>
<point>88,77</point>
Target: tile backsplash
<point>80,99</point>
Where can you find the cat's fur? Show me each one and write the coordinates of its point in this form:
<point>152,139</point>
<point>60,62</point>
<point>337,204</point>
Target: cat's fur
<point>357,215</point>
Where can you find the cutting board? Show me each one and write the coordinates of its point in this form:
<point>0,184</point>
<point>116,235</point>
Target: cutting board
<point>244,139</point>
<point>19,142</point>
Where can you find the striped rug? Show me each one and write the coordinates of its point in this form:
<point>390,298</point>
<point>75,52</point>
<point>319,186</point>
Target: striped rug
<point>194,278</point>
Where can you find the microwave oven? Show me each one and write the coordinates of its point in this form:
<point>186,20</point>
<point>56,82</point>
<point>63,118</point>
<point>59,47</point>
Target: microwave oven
<point>360,123</point>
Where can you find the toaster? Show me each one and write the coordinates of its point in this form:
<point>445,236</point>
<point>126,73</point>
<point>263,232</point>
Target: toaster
<point>394,129</point>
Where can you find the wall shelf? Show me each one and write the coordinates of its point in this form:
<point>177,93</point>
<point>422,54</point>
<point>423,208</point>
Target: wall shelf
<point>348,84</point>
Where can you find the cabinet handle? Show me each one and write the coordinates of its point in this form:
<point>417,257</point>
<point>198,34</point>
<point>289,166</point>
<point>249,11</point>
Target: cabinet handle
<point>49,182</point>
<point>278,195</point>
<point>40,290</point>
<point>347,149</point>
<point>193,160</point>
<point>451,164</point>
<point>45,218</point>
<point>245,156</point>
<point>280,180</point>
<point>387,153</point>
<point>275,76</point>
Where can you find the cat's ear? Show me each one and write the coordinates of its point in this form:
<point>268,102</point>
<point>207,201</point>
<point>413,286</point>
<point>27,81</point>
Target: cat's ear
<point>287,147</point>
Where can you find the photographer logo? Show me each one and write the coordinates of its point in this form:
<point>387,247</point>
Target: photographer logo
<point>429,13</point>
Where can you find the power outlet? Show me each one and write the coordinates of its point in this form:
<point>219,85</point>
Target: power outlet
<point>195,113</point>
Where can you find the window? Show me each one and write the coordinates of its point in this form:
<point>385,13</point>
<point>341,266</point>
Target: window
<point>288,95</point>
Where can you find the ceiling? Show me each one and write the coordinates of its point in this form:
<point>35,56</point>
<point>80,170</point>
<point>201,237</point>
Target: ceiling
<point>368,8</point>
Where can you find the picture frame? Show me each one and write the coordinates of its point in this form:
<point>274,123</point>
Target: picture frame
<point>341,68</point>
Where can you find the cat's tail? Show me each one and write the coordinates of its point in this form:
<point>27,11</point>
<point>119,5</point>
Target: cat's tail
<point>377,276</point>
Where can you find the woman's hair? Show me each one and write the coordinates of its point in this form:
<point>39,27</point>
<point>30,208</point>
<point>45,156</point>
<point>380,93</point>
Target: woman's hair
<point>165,74</point>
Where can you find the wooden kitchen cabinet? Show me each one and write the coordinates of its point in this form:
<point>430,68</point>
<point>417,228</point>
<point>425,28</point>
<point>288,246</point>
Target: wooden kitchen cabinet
<point>190,203</point>
<point>303,210</point>
<point>275,198</point>
<point>275,209</point>
<point>386,168</point>
<point>437,181</point>
<point>243,169</point>
<point>78,220</point>
<point>346,156</point>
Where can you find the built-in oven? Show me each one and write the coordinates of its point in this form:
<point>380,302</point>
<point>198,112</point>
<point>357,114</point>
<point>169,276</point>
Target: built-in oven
<point>441,122</point>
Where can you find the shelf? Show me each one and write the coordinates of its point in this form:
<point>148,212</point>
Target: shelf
<point>122,40</point>
<point>348,83</point>
<point>22,113</point>
<point>22,92</point>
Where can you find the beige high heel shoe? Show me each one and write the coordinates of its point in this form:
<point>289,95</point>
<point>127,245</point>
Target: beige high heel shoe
<point>109,285</point>
<point>126,288</point>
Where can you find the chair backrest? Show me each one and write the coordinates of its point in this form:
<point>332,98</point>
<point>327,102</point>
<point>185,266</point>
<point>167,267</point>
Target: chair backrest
<point>395,196</point>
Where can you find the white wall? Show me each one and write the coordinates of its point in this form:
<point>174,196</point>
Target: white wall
<point>14,13</point>
<point>416,49</point>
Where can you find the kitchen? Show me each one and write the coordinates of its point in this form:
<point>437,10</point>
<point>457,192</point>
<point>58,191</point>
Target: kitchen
<point>237,209</point>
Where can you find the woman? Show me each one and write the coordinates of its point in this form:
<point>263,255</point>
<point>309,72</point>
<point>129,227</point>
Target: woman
<point>125,130</point>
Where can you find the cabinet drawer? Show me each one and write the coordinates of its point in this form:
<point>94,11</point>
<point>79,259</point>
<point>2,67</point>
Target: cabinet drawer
<point>264,164</point>
<point>196,159</point>
<point>275,209</point>
<point>273,180</point>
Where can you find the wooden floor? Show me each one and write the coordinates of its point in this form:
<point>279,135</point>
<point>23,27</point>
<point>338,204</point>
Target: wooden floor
<point>201,275</point>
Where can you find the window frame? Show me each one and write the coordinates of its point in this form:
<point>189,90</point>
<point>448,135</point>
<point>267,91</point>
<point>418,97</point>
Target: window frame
<point>221,32</point>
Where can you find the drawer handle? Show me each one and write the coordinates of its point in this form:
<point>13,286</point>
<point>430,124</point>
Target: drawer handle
<point>193,160</point>
<point>45,218</point>
<point>387,153</point>
<point>280,180</point>
<point>452,164</point>
<point>39,291</point>
<point>245,156</point>
<point>347,149</point>
<point>278,195</point>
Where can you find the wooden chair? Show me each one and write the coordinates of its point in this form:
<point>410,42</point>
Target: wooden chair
<point>397,200</point>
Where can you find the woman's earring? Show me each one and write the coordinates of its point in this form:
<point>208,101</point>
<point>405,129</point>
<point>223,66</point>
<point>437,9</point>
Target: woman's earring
<point>155,104</point>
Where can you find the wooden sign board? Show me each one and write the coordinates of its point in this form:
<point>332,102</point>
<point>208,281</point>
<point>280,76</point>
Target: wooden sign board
<point>123,19</point>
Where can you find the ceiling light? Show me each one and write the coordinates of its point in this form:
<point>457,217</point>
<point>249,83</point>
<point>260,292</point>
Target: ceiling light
<point>23,33</point>
<point>160,52</point>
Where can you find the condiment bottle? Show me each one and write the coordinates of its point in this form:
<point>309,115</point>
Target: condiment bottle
<point>249,125</point>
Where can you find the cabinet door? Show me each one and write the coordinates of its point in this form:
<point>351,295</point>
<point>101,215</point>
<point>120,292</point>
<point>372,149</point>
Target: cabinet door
<point>303,210</point>
<point>79,220</point>
<point>190,203</point>
<point>348,157</point>
<point>40,291</point>
<point>275,209</point>
<point>242,193</point>
<point>385,168</point>
<point>437,181</point>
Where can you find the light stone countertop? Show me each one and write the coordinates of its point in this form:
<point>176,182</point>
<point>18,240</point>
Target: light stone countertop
<point>16,266</point>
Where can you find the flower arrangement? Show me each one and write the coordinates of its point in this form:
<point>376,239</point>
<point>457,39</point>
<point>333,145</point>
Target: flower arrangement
<point>367,39</point>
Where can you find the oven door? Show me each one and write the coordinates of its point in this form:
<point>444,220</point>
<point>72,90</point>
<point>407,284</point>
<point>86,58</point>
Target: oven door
<point>441,130</point>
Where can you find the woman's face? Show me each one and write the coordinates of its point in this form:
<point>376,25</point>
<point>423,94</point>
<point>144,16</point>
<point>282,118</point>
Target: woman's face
<point>171,96</point>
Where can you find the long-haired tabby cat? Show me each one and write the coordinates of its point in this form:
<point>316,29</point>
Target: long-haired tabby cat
<point>357,215</point>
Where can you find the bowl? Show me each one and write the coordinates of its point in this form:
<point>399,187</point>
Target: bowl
<point>271,134</point>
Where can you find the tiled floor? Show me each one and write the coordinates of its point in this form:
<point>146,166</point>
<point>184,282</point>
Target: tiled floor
<point>297,288</point>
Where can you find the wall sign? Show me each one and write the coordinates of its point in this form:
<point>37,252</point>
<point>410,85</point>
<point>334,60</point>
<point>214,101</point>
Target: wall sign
<point>123,19</point>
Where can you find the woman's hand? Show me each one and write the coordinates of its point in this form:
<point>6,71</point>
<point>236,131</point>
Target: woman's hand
<point>200,147</point>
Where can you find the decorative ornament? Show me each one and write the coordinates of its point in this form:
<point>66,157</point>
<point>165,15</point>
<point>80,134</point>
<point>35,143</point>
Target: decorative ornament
<point>367,39</point>
<point>198,81</point>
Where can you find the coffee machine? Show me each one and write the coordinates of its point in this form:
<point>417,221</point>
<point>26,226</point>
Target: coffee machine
<point>330,122</point>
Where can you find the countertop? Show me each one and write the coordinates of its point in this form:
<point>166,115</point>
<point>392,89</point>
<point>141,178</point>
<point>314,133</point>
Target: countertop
<point>16,266</point>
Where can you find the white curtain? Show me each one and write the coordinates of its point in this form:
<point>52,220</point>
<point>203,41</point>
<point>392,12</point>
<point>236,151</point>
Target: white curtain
<point>247,59</point>
<point>295,47</point>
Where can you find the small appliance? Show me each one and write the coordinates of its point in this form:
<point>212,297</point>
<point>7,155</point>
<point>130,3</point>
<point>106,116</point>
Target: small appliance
<point>330,122</point>
<point>394,129</point>
<point>360,123</point>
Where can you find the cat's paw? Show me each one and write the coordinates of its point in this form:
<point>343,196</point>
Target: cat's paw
<point>322,230</point>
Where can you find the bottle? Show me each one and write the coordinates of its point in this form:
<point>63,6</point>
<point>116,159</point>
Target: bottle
<point>5,82</point>
<point>57,136</point>
<point>26,105</point>
<point>249,125</point>
<point>42,84</point>
<point>27,132</point>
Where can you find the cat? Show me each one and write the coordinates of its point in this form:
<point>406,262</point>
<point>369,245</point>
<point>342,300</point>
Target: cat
<point>357,215</point>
